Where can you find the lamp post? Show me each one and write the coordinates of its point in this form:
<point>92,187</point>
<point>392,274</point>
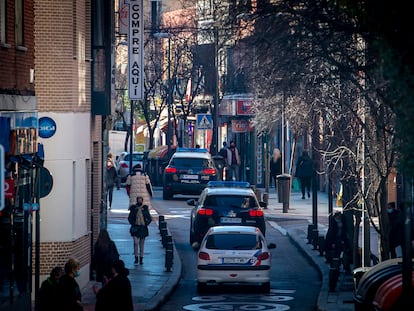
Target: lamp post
<point>169,88</point>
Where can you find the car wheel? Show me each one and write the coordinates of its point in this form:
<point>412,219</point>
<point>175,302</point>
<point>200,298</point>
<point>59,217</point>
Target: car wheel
<point>201,287</point>
<point>265,287</point>
<point>166,195</point>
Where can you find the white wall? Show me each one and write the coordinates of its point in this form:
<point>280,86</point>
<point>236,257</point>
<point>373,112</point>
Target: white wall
<point>63,212</point>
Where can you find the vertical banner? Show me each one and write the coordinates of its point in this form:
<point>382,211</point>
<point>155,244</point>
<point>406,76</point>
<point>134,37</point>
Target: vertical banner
<point>136,50</point>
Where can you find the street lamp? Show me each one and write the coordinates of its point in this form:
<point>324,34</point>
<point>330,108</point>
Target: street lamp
<point>169,95</point>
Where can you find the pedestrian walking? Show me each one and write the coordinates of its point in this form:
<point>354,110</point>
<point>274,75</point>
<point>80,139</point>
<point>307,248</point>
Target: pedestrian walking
<point>223,150</point>
<point>396,232</point>
<point>304,171</point>
<point>337,242</point>
<point>68,292</point>
<point>233,162</point>
<point>105,253</point>
<point>116,294</point>
<point>48,291</point>
<point>139,184</point>
<point>275,166</point>
<point>139,218</point>
<point>111,178</point>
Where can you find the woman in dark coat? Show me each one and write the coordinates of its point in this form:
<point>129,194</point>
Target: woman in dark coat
<point>117,293</point>
<point>304,171</point>
<point>139,218</point>
<point>104,254</point>
<point>337,243</point>
<point>68,291</point>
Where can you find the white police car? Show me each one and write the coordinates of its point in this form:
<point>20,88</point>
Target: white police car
<point>234,254</point>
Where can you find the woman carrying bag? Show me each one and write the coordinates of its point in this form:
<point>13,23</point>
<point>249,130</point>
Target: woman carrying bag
<point>139,218</point>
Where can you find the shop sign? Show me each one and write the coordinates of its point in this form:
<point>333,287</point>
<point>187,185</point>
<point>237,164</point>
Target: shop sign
<point>47,127</point>
<point>8,188</point>
<point>240,126</point>
<point>245,107</point>
<point>227,107</point>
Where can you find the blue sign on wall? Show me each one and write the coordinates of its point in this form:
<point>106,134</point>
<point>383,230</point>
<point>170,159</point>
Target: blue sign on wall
<point>47,127</point>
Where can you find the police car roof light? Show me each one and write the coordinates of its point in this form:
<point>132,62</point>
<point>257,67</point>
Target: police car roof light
<point>202,150</point>
<point>232,184</point>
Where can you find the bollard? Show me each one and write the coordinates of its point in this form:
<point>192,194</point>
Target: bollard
<point>334,273</point>
<point>310,228</point>
<point>160,220</point>
<point>266,198</point>
<point>321,245</point>
<point>315,234</point>
<point>169,254</point>
<point>164,232</point>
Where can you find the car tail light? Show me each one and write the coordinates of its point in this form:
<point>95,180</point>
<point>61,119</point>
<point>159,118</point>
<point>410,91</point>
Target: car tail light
<point>124,165</point>
<point>203,256</point>
<point>263,256</point>
<point>171,170</point>
<point>205,211</point>
<point>256,213</point>
<point>209,171</point>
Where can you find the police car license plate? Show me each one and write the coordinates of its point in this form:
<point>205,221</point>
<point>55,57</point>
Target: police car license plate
<point>186,176</point>
<point>230,220</point>
<point>234,260</point>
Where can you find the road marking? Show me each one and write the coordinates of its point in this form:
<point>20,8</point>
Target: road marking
<point>277,227</point>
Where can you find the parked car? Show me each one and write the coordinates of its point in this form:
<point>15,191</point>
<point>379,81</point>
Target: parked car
<point>188,172</point>
<point>225,203</point>
<point>123,163</point>
<point>234,254</point>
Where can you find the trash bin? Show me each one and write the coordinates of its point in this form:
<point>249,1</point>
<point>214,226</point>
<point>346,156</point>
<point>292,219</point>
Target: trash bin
<point>219,163</point>
<point>283,187</point>
<point>283,190</point>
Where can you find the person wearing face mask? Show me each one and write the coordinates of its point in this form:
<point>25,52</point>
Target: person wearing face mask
<point>139,218</point>
<point>337,242</point>
<point>68,291</point>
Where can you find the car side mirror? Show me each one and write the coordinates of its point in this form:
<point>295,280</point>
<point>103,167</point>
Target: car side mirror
<point>271,245</point>
<point>191,202</point>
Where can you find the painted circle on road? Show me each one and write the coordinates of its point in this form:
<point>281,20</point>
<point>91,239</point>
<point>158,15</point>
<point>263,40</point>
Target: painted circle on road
<point>224,306</point>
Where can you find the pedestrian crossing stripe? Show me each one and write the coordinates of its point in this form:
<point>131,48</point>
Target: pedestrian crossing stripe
<point>204,121</point>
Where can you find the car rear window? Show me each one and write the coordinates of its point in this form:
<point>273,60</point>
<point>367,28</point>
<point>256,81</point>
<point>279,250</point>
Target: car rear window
<point>234,201</point>
<point>189,162</point>
<point>233,241</point>
<point>135,157</point>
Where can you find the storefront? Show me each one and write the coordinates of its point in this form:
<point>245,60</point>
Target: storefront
<point>19,130</point>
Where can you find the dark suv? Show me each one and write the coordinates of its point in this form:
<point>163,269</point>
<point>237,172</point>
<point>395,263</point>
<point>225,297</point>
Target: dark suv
<point>225,203</point>
<point>188,172</point>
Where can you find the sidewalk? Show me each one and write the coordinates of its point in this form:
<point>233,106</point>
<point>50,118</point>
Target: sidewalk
<point>159,283</point>
<point>151,282</point>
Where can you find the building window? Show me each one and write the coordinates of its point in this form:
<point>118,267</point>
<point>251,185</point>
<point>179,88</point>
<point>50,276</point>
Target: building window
<point>19,22</point>
<point>2,21</point>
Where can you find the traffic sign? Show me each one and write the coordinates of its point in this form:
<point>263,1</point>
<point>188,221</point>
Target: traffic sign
<point>1,177</point>
<point>204,121</point>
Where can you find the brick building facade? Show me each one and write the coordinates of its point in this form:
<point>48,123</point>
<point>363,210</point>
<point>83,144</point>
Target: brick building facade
<point>46,74</point>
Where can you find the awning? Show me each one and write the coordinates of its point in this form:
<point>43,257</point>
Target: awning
<point>159,152</point>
